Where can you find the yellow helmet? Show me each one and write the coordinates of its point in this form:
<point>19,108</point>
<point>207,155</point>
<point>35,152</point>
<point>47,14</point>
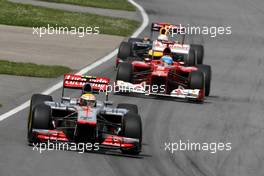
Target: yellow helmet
<point>88,100</point>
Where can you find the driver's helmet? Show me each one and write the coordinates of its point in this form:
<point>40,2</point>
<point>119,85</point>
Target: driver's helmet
<point>167,52</point>
<point>163,37</point>
<point>166,60</point>
<point>88,99</point>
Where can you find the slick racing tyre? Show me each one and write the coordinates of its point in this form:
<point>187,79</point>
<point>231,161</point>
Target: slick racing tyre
<point>206,70</point>
<point>131,107</point>
<point>39,99</point>
<point>199,53</point>
<point>125,51</point>
<point>41,119</point>
<point>124,72</point>
<point>132,128</point>
<point>196,80</point>
<point>189,60</point>
<point>36,99</point>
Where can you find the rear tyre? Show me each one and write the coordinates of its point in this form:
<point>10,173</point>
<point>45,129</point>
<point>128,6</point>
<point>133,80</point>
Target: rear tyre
<point>189,60</point>
<point>199,53</point>
<point>132,128</point>
<point>131,59</point>
<point>206,70</point>
<point>196,80</point>
<point>41,119</point>
<point>124,72</point>
<point>131,107</point>
<point>125,50</point>
<point>36,99</point>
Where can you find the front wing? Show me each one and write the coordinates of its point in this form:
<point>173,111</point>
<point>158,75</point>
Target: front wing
<point>109,141</point>
<point>142,88</point>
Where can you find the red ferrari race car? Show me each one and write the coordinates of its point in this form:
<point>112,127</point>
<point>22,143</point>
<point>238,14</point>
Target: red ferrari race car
<point>163,35</point>
<point>84,119</point>
<point>164,77</point>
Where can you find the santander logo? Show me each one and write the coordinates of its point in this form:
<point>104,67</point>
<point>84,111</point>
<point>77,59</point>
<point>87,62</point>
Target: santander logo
<point>74,77</point>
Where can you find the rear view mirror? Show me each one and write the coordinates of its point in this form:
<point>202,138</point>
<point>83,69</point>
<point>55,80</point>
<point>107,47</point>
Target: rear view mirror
<point>108,103</point>
<point>65,99</point>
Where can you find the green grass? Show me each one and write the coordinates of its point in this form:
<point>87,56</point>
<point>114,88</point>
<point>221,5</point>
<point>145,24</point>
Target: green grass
<point>32,16</point>
<point>32,70</point>
<point>107,4</point>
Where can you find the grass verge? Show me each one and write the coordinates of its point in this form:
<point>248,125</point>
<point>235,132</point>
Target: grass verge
<point>107,4</point>
<point>32,70</point>
<point>32,16</point>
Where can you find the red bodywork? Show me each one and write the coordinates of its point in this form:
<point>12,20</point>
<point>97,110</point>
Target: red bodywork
<point>155,69</point>
<point>163,80</point>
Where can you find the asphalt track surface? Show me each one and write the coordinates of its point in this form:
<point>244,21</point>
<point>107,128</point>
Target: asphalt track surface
<point>233,113</point>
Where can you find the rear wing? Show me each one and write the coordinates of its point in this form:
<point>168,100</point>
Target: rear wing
<point>98,84</point>
<point>158,26</point>
<point>167,29</point>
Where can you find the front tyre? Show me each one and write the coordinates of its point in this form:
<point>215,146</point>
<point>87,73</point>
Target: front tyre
<point>206,70</point>
<point>36,99</point>
<point>124,72</point>
<point>132,128</point>
<point>196,80</point>
<point>41,119</point>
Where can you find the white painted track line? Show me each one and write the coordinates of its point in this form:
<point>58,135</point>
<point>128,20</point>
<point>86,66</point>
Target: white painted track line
<point>145,21</point>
